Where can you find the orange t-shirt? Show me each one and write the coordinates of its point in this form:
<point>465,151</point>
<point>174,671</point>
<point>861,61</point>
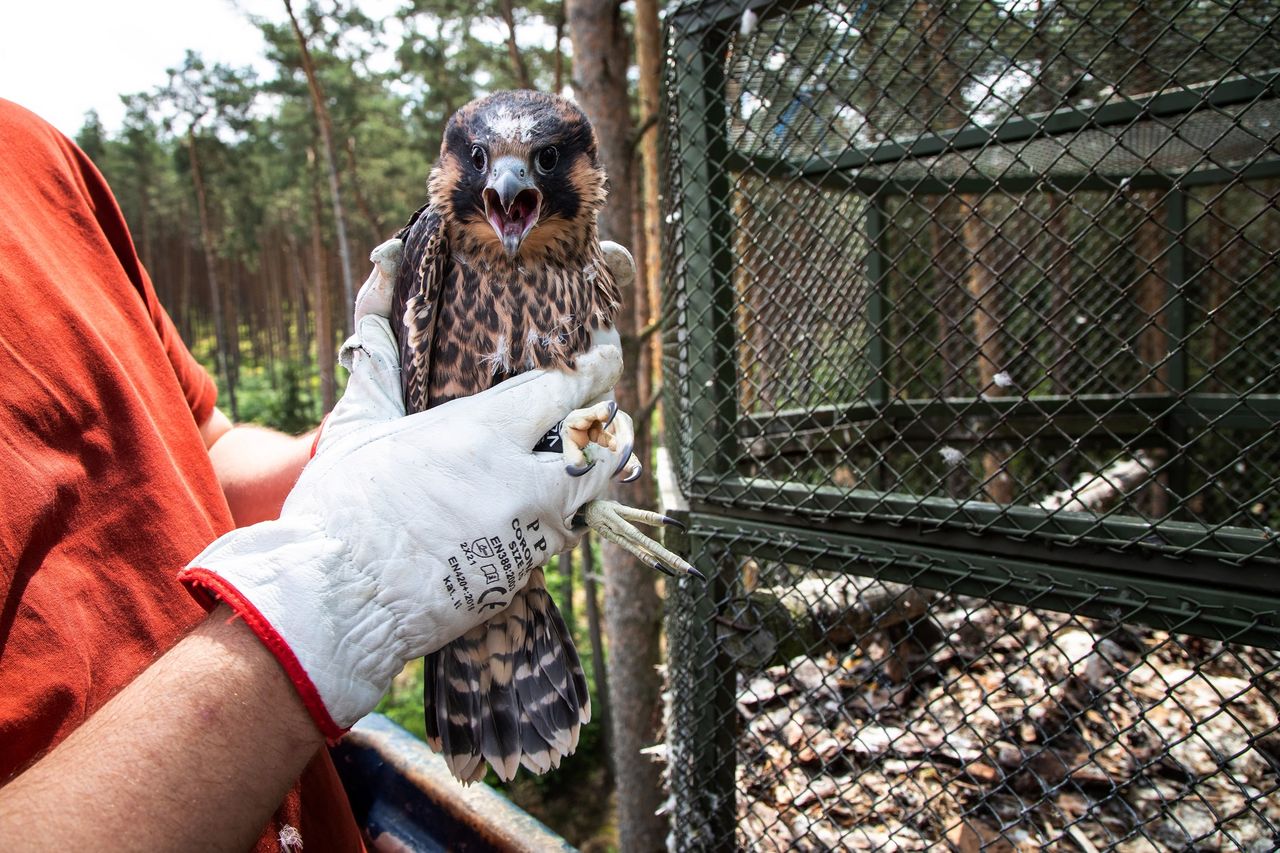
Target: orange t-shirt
<point>106,489</point>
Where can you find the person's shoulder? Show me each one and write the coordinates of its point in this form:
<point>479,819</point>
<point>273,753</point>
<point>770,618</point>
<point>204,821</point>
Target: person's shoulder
<point>30,145</point>
<point>18,122</point>
<point>38,161</point>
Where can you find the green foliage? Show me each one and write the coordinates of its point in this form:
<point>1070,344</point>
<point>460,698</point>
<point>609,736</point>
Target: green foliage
<point>281,394</point>
<point>92,137</point>
<point>403,702</point>
<point>288,404</point>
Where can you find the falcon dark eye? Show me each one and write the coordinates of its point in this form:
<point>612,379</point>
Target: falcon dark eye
<point>478,158</point>
<point>547,159</point>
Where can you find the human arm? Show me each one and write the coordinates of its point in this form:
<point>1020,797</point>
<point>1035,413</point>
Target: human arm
<point>256,466</point>
<point>193,754</point>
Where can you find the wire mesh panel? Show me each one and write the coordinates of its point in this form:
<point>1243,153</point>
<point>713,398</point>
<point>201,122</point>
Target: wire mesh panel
<point>983,296</point>
<point>874,712</point>
<point>1014,261</point>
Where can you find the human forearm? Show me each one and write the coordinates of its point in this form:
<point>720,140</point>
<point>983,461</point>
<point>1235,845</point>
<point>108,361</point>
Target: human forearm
<point>195,753</point>
<point>256,468</point>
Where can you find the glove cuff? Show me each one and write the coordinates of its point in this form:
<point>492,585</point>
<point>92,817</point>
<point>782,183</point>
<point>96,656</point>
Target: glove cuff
<point>209,588</point>
<point>300,593</point>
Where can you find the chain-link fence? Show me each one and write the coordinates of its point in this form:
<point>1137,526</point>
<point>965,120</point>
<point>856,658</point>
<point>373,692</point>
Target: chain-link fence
<point>972,364</point>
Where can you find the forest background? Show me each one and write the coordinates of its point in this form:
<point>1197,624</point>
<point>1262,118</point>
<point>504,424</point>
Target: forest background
<point>254,199</point>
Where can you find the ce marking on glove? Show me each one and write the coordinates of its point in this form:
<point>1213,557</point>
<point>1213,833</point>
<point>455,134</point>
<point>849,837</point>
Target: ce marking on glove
<point>489,570</point>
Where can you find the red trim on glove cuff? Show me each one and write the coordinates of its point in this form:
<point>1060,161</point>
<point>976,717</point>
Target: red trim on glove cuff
<point>208,588</point>
<point>316,441</point>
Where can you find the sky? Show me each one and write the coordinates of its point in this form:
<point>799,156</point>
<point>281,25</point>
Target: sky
<point>62,59</point>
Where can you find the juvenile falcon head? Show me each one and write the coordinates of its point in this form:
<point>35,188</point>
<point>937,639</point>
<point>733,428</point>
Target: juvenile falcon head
<point>520,176</point>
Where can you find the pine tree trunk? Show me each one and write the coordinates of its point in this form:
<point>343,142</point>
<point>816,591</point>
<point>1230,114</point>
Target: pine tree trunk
<point>558,61</point>
<point>1216,272</point>
<point>633,610</point>
<point>566,590</point>
<point>519,69</point>
<point>144,228</point>
<point>601,710</point>
<point>331,166</point>
<point>210,264</point>
<point>373,221</point>
<point>276,336</point>
<point>649,59</point>
<point>298,291</point>
<point>183,265</point>
<point>1149,241</point>
<point>989,335</point>
<point>231,317</point>
<point>324,319</point>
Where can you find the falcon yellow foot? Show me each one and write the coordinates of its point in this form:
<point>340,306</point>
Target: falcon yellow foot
<point>605,426</point>
<point>616,522</point>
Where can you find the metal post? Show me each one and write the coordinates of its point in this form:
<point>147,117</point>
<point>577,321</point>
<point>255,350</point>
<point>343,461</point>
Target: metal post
<point>1176,334</point>
<point>711,382</point>
<point>877,315</point>
<point>702,761</point>
<point>701,725</point>
<point>1175,278</point>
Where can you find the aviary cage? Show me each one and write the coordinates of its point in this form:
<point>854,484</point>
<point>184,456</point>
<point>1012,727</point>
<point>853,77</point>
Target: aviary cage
<point>972,382</point>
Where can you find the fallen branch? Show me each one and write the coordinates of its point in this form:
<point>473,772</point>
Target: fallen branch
<point>779,623</point>
<point>1092,492</point>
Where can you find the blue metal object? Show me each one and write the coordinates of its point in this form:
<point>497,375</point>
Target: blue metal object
<point>405,798</point>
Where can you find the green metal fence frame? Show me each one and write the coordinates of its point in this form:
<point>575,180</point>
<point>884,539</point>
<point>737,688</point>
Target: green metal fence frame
<point>1021,555</point>
<point>718,431</point>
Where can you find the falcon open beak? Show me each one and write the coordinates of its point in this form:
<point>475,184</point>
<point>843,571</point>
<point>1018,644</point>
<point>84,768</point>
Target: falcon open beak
<point>511,202</point>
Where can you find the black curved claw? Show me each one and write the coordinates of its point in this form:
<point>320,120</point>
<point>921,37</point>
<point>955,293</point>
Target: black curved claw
<point>671,522</point>
<point>579,470</point>
<point>631,478</point>
<point>664,569</point>
<point>697,574</point>
<point>626,457</point>
<point>613,413</point>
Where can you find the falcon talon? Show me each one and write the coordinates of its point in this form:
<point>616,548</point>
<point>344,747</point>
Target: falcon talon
<point>631,478</point>
<point>664,569</point>
<point>613,413</point>
<point>697,574</point>
<point>578,470</point>
<point>626,457</point>
<point>672,522</point>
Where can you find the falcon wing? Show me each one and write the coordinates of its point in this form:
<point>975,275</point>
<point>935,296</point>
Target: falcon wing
<point>416,301</point>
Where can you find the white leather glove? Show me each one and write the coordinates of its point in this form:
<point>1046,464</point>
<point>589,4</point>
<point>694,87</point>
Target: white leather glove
<point>405,532</point>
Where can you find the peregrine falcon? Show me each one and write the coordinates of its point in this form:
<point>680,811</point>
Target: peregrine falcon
<point>503,272</point>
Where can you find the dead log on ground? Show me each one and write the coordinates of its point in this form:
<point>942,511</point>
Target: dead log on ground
<point>1091,492</point>
<point>775,624</point>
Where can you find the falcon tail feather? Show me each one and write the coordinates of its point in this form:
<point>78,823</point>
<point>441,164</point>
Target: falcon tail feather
<point>510,692</point>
